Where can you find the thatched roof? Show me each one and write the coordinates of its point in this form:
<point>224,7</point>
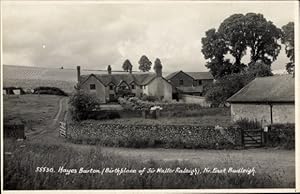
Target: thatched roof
<point>139,79</point>
<point>279,88</point>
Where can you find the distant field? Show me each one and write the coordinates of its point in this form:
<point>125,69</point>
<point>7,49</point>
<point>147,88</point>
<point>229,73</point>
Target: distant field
<point>36,111</point>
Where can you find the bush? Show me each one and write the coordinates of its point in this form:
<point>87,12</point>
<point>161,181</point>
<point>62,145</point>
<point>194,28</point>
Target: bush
<point>49,90</point>
<point>282,136</point>
<point>82,104</point>
<point>149,98</point>
<point>245,123</point>
<point>103,114</point>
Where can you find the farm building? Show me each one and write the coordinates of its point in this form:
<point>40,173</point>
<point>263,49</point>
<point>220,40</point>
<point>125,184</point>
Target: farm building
<point>266,99</point>
<point>106,87</point>
<point>190,83</point>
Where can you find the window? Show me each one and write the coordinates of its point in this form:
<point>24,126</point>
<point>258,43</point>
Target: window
<point>132,86</point>
<point>141,87</point>
<point>181,82</point>
<point>92,86</point>
<point>200,82</point>
<point>111,87</point>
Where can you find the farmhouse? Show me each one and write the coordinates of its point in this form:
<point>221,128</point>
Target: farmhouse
<point>266,99</point>
<point>190,83</point>
<point>106,87</point>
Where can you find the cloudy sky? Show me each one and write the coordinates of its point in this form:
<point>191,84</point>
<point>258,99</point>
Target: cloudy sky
<point>97,35</point>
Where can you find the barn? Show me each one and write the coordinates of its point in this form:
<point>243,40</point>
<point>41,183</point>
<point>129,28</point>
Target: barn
<point>268,100</point>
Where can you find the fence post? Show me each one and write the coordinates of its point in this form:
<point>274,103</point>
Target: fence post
<point>242,134</point>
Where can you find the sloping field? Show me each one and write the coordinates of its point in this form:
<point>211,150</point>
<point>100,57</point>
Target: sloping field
<point>32,77</point>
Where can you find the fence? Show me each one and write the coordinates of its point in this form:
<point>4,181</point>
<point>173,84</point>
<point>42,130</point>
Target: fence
<point>63,129</point>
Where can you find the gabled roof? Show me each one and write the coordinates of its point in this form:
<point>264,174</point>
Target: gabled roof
<point>139,78</point>
<point>279,88</point>
<point>194,75</point>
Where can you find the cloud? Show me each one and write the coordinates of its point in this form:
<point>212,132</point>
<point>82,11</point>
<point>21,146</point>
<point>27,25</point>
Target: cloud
<point>97,35</point>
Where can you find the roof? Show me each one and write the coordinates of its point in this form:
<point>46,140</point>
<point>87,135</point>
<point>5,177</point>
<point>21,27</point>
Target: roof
<point>200,75</point>
<point>139,78</point>
<point>280,88</point>
<point>190,89</point>
<point>194,75</point>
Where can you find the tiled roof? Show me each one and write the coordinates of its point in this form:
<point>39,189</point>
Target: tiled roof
<point>200,75</point>
<point>279,88</point>
<point>194,75</point>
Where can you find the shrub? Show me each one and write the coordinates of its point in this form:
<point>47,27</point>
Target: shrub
<point>149,98</point>
<point>282,136</point>
<point>49,90</point>
<point>82,104</point>
<point>245,123</point>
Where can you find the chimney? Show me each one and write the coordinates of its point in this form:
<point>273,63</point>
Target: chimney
<point>158,68</point>
<point>109,69</point>
<point>78,74</point>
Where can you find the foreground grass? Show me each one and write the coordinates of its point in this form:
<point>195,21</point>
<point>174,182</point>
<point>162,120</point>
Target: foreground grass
<point>20,166</point>
<point>36,111</point>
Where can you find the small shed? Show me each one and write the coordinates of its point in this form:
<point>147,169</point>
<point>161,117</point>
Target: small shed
<point>265,99</point>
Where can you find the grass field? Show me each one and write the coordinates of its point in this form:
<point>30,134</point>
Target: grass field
<point>21,172</point>
<point>35,111</point>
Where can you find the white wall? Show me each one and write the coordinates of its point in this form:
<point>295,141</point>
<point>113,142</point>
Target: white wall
<point>282,113</point>
<point>195,99</point>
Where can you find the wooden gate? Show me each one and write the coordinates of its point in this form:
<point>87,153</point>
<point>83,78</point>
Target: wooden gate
<point>63,129</point>
<point>252,137</point>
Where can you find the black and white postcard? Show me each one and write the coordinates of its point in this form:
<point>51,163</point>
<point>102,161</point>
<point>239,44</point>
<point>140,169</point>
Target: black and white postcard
<point>149,96</point>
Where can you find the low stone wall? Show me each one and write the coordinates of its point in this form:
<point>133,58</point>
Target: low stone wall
<point>196,100</point>
<point>168,136</point>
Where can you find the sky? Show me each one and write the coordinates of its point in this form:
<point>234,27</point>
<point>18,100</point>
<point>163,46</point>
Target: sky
<point>95,35</point>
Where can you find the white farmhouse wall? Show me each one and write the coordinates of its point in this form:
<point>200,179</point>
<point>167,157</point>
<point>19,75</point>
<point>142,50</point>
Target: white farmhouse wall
<point>100,89</point>
<point>281,113</point>
<point>160,88</point>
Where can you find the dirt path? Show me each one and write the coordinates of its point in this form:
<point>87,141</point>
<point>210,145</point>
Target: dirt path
<point>50,132</point>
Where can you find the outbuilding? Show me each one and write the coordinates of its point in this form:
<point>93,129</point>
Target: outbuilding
<point>267,100</point>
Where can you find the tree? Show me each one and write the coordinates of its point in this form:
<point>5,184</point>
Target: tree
<point>288,39</point>
<point>81,104</point>
<point>260,69</point>
<point>145,63</point>
<point>127,65</point>
<point>235,35</point>
<point>226,86</point>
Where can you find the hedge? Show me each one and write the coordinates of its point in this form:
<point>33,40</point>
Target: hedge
<point>140,136</point>
<point>281,136</point>
<point>49,90</point>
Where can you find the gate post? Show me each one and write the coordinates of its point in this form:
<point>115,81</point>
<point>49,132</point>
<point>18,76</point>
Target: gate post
<point>242,136</point>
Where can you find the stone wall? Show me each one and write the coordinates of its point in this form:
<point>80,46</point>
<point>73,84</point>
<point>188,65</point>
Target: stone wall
<point>195,99</point>
<point>175,136</point>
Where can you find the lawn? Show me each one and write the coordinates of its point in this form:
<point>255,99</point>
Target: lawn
<point>35,111</point>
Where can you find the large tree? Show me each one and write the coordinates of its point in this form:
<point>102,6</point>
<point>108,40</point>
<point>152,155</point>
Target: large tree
<point>127,66</point>
<point>145,63</point>
<point>288,39</point>
<point>235,35</point>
